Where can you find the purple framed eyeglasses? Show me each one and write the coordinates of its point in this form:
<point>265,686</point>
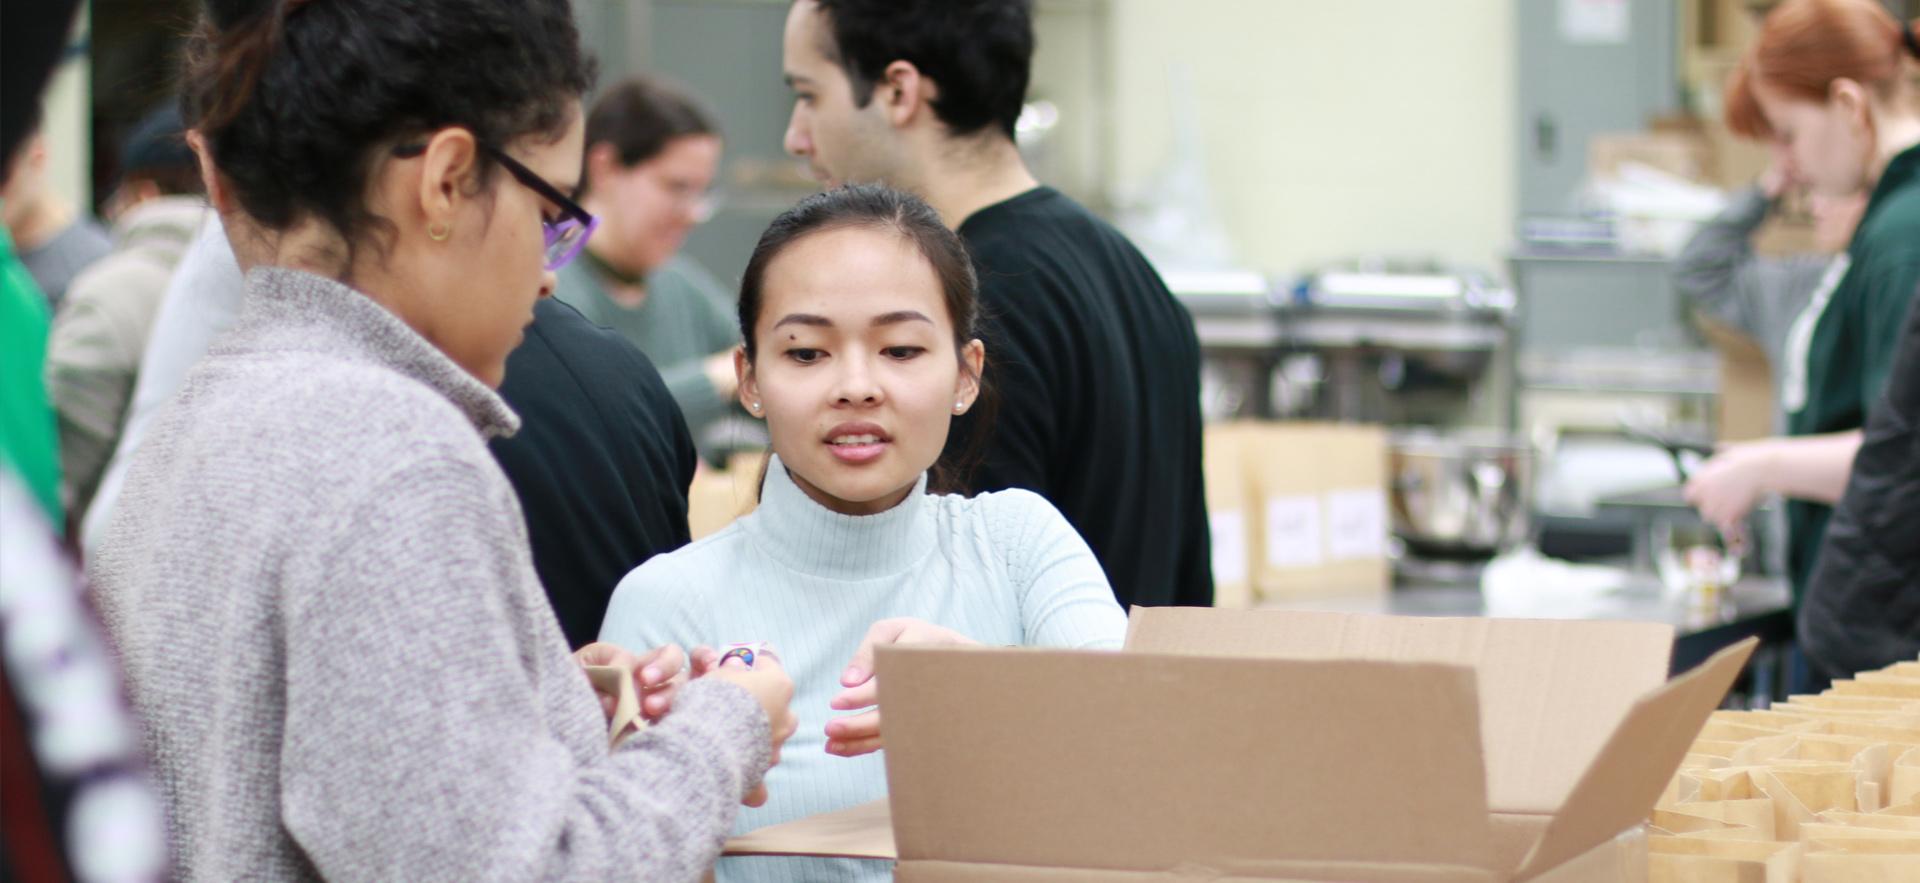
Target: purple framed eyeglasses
<point>566,236</point>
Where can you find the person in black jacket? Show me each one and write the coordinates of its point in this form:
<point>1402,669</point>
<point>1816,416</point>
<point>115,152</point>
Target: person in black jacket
<point>1861,610</point>
<point>601,463</point>
<point>1095,364</point>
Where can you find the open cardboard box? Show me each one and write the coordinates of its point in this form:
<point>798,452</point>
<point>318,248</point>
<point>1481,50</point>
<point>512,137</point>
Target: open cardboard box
<point>1310,746</point>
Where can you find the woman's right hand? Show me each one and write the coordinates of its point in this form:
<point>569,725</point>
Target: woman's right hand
<point>767,680</point>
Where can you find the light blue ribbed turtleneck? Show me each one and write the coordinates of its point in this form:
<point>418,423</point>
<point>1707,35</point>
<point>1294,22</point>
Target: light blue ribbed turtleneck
<point>1003,568</point>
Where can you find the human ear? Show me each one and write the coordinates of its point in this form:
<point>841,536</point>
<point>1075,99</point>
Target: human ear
<point>448,172</point>
<point>749,393</point>
<point>603,161</point>
<point>973,366</point>
<point>904,92</point>
<point>1850,99</point>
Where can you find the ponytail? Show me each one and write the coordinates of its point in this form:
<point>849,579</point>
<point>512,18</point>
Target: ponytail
<point>227,56</point>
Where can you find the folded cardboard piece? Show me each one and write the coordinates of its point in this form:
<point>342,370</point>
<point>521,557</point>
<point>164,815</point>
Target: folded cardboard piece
<point>1274,745</point>
<point>612,680</point>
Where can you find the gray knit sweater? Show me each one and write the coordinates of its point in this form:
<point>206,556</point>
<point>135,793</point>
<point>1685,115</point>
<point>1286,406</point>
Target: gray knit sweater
<point>320,583</point>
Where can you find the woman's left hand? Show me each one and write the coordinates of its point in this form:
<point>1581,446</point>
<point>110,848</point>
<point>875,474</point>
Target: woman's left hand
<point>859,734</point>
<point>657,673</point>
<point>1727,487</point>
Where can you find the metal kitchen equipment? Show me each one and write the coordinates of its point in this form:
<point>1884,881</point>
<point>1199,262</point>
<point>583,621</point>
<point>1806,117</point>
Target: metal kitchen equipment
<point>1375,340</point>
<point>1458,498</point>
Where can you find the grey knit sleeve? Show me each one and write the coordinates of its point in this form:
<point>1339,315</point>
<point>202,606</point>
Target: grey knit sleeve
<point>1720,276</point>
<point>435,729</point>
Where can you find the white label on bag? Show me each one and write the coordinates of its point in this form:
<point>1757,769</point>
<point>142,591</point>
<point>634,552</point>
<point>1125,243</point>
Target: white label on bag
<point>1229,533</point>
<point>1293,532</point>
<point>1356,524</point>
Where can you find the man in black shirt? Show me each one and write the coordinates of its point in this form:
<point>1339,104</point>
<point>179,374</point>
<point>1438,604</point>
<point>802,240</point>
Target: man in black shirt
<point>601,463</point>
<point>1095,365</point>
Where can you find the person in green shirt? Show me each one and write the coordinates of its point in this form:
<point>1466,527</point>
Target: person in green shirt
<point>28,441</point>
<point>1831,80</point>
<point>651,157</point>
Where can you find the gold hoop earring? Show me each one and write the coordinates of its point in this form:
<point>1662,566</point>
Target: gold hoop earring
<point>439,232</point>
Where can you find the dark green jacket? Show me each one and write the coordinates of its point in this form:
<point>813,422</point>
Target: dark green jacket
<point>1848,338</point>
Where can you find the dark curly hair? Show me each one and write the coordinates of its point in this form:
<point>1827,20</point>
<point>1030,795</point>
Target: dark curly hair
<point>979,52</point>
<point>299,99</point>
<point>880,207</point>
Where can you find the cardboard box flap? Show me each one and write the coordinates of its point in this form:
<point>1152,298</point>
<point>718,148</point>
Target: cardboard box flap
<point>1639,758</point>
<point>864,831</point>
<point>1550,690</point>
<point>1142,761</point>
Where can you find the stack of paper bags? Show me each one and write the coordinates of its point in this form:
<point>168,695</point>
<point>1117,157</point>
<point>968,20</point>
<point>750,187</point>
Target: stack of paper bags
<point>1818,789</point>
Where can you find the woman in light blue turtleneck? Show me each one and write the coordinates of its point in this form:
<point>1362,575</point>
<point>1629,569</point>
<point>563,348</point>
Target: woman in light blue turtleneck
<point>858,313</point>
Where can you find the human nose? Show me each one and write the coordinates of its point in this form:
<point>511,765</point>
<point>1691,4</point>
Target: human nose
<point>798,140</point>
<point>856,383</point>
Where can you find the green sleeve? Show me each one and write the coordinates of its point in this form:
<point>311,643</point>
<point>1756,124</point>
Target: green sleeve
<point>699,402</point>
<point>29,443</point>
<point>719,308</point>
<point>709,316</point>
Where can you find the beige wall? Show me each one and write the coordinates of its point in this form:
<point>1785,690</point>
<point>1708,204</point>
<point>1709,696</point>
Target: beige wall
<point>1331,127</point>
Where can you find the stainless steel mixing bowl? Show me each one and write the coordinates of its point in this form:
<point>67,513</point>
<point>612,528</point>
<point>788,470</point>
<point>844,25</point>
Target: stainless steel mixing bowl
<point>1461,493</point>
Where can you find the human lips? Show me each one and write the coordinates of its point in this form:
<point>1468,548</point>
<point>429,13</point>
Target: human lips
<point>857,442</point>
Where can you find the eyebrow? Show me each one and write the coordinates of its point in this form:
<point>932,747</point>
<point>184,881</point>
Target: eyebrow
<point>794,80</point>
<point>804,319</point>
<point>893,318</point>
<point>896,318</point>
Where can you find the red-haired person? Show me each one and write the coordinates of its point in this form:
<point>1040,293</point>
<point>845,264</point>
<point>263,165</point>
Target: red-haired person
<point>1830,80</point>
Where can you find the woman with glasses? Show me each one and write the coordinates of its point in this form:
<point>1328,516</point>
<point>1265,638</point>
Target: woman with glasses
<point>317,576</point>
<point>651,158</point>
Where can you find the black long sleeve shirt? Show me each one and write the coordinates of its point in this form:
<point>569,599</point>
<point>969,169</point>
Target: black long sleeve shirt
<point>1096,371</point>
<point>601,463</point>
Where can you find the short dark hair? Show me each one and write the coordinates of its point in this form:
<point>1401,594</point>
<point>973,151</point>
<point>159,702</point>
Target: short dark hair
<point>979,53</point>
<point>299,100</point>
<point>877,206</point>
<point>156,150</point>
<point>640,116</point>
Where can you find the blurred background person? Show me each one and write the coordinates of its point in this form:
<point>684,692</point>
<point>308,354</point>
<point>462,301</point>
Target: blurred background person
<point>651,158</point>
<point>1725,281</point>
<point>100,334</point>
<point>1832,81</point>
<point>55,240</point>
